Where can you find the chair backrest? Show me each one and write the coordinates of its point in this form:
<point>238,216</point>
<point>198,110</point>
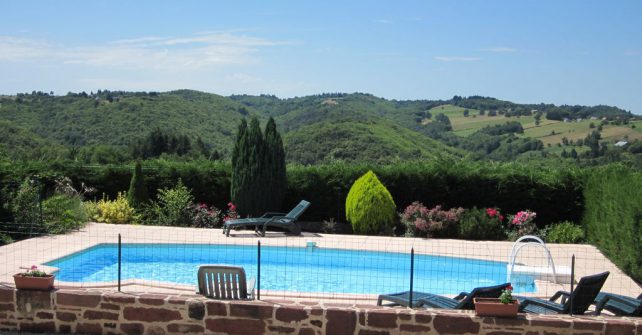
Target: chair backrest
<point>481,292</point>
<point>222,282</point>
<point>585,292</point>
<point>298,209</point>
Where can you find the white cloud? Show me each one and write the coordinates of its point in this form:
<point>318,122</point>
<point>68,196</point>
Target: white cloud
<point>384,21</point>
<point>501,49</point>
<point>457,59</point>
<point>14,49</point>
<point>158,53</point>
<point>633,53</point>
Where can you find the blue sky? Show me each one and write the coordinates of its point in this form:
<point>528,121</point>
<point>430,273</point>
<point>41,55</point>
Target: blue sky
<point>563,52</point>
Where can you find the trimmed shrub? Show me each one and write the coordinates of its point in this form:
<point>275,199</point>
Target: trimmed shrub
<point>613,216</point>
<point>481,224</point>
<point>137,195</point>
<point>563,232</point>
<point>63,213</point>
<point>369,206</point>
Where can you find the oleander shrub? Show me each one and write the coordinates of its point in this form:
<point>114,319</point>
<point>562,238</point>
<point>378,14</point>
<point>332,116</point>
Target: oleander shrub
<point>613,216</point>
<point>481,224</point>
<point>422,221</point>
<point>5,239</point>
<point>63,213</point>
<point>369,206</point>
<point>206,216</point>
<point>563,232</point>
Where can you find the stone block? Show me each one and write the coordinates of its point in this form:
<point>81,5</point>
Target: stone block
<point>28,301</point>
<point>216,308</point>
<point>132,328</point>
<point>185,328</point>
<point>341,321</point>
<point>150,314</point>
<point>100,315</point>
<point>291,314</point>
<point>455,324</point>
<point>236,326</point>
<point>382,318</point>
<point>196,310</point>
<point>152,299</point>
<point>251,310</point>
<point>7,294</point>
<point>89,328</point>
<point>66,316</point>
<point>78,299</point>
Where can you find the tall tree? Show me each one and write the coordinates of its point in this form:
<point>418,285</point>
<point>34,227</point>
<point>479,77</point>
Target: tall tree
<point>275,167</point>
<point>248,170</point>
<point>137,194</point>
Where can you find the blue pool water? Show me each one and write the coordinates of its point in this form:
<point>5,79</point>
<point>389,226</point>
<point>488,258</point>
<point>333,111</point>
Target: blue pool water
<point>289,269</point>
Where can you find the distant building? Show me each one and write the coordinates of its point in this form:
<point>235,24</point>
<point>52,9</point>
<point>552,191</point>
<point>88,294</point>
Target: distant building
<point>593,117</point>
<point>621,143</point>
<point>567,119</point>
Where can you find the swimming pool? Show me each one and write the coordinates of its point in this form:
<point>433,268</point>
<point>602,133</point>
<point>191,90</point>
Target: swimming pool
<point>288,268</point>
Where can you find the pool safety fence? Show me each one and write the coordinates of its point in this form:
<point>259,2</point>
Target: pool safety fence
<point>308,267</point>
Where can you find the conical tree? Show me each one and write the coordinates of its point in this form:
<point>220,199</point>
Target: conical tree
<point>137,194</point>
<point>248,170</point>
<point>369,206</point>
<point>275,167</point>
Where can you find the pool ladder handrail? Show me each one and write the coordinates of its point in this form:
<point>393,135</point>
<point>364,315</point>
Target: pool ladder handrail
<point>519,244</point>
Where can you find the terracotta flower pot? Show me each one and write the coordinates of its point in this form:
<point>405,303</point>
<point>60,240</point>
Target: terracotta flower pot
<point>494,307</point>
<point>33,283</point>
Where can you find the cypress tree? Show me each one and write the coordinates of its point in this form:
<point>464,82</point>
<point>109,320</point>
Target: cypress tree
<point>239,165</point>
<point>275,167</point>
<point>137,194</point>
<point>248,170</point>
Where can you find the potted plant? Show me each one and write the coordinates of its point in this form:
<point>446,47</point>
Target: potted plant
<point>504,306</point>
<point>34,279</point>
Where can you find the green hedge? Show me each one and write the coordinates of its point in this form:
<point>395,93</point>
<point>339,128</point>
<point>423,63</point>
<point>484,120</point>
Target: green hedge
<point>613,216</point>
<point>554,193</point>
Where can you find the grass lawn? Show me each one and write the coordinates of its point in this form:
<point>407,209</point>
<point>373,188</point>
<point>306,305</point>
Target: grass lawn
<point>548,131</point>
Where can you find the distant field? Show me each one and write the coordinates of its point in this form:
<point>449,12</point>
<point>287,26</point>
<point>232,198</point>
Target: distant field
<point>547,131</point>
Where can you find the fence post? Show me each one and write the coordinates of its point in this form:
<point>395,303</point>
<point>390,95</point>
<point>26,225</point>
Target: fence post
<point>258,271</point>
<point>412,275</point>
<point>572,280</point>
<point>119,260</point>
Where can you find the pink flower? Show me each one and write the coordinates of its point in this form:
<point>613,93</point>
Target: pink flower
<point>491,212</point>
<point>510,287</point>
<point>501,217</point>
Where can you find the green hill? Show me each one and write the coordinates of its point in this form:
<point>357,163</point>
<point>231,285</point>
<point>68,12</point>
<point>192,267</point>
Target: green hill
<point>106,125</point>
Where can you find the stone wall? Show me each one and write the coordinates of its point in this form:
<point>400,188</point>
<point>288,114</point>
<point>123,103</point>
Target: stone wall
<point>95,312</point>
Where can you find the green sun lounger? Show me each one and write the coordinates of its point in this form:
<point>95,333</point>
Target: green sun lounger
<point>618,304</point>
<point>224,282</point>
<point>583,296</point>
<point>462,301</point>
<point>282,220</point>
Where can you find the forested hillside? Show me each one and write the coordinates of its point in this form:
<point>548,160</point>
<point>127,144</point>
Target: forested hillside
<point>112,127</point>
